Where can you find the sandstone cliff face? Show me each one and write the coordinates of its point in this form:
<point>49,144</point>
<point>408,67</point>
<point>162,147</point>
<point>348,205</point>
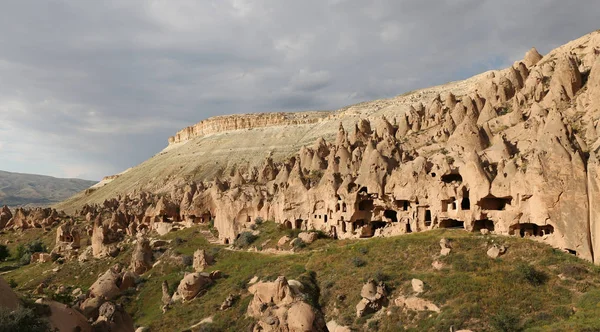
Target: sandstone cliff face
<point>224,123</point>
<point>513,151</point>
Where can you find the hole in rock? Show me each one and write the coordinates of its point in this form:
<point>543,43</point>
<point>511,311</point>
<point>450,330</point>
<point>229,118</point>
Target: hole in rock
<point>391,215</point>
<point>452,223</point>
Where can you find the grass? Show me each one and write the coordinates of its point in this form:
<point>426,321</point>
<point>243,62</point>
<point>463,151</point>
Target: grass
<point>521,290</point>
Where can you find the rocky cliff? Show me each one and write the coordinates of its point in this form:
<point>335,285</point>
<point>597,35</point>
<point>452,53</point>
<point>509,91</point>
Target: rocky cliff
<point>512,152</point>
<point>219,124</point>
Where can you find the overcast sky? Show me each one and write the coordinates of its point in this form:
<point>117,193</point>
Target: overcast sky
<point>90,88</point>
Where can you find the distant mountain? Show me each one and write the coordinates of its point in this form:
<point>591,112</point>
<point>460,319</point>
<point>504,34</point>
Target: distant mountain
<point>30,189</point>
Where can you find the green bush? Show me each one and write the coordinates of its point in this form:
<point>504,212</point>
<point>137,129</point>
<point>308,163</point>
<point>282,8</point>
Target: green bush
<point>12,283</point>
<point>528,273</point>
<point>259,220</point>
<point>245,239</point>
<point>24,251</point>
<point>299,243</point>
<point>358,262</point>
<point>22,320</point>
<point>4,254</point>
<point>506,322</point>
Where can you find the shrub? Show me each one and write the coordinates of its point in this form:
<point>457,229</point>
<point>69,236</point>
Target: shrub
<point>259,220</point>
<point>574,271</point>
<point>24,251</point>
<point>299,243</point>
<point>12,283</point>
<point>4,254</point>
<point>245,239</point>
<point>530,274</point>
<point>506,322</point>
<point>187,260</point>
<point>380,276</point>
<point>358,262</point>
<point>21,319</point>
<point>363,250</point>
<point>65,298</point>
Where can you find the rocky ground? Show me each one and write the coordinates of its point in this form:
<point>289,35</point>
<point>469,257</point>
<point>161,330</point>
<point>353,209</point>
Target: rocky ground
<point>280,280</point>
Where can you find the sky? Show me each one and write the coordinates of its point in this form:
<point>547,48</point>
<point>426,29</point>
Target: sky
<point>90,88</point>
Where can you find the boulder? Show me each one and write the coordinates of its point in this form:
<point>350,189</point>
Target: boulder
<point>496,251</point>
<point>308,237</point>
<point>201,260</point>
<point>141,259</point>
<point>416,304</point>
<point>283,240</point>
<point>417,286</point>
<point>191,285</point>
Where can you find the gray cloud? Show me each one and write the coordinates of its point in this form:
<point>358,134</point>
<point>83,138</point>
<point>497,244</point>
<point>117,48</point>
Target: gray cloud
<point>89,88</point>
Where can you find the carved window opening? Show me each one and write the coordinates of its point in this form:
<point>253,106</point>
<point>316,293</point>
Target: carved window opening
<point>494,203</point>
<point>530,229</point>
<point>391,215</point>
<point>366,205</point>
<point>465,203</point>
<point>449,178</point>
<point>452,223</point>
<point>483,224</point>
<point>427,215</point>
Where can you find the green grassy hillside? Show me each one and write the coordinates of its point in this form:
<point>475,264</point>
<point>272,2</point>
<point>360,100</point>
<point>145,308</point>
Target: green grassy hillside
<point>531,288</point>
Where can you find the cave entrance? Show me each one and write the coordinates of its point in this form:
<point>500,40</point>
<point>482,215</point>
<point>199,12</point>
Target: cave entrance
<point>530,229</point>
<point>375,225</point>
<point>366,205</point>
<point>298,223</point>
<point>287,224</point>
<point>452,177</point>
<point>391,215</point>
<point>465,203</point>
<point>427,216</point>
<point>343,226</point>
<point>483,224</point>
<point>449,205</point>
<point>452,223</point>
<point>494,203</point>
<point>325,218</point>
<point>402,205</point>
<point>206,217</point>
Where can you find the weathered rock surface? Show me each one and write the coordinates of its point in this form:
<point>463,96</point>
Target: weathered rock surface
<point>191,285</point>
<point>510,152</point>
<point>141,260</point>
<point>280,307</point>
<point>374,297</point>
<point>201,260</point>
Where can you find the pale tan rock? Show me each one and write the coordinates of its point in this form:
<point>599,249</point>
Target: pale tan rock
<point>308,237</point>
<point>201,260</point>
<point>141,260</point>
<point>416,304</point>
<point>333,326</point>
<point>417,286</point>
<point>496,251</point>
<point>283,240</point>
<point>191,285</point>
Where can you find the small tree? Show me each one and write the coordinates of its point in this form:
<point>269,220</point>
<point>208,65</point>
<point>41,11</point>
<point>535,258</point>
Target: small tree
<point>4,254</point>
<point>21,319</point>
